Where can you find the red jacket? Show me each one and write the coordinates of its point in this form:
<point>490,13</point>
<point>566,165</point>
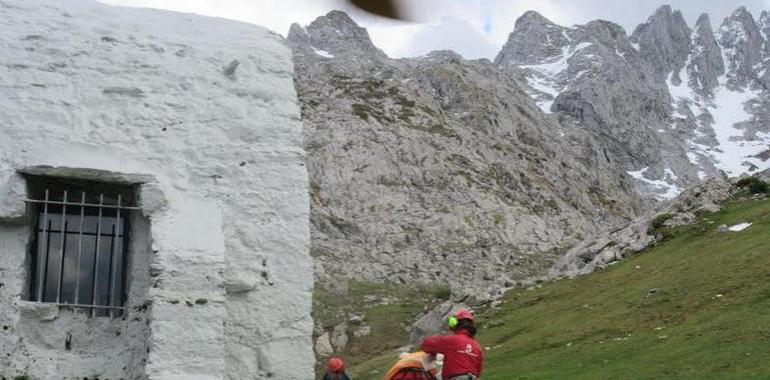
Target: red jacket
<point>462,354</point>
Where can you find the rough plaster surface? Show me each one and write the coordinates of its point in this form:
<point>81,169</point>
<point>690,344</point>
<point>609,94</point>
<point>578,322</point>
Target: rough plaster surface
<point>206,110</point>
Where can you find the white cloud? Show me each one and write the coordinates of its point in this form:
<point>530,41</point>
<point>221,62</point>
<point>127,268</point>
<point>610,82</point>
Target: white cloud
<point>447,34</point>
<point>472,28</point>
<point>394,39</point>
<point>452,34</point>
<point>455,24</point>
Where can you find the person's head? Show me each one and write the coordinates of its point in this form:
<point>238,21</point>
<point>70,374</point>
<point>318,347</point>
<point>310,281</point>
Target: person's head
<point>463,320</point>
<point>335,366</point>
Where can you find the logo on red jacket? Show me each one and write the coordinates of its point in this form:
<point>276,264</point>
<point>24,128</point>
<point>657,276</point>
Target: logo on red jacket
<point>468,351</point>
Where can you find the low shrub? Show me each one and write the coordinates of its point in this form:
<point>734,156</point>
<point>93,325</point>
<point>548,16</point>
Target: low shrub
<point>442,293</point>
<point>660,220</point>
<point>754,185</point>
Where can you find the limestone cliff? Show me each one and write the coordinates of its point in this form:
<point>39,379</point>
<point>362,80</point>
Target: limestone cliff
<point>672,105</point>
<point>441,170</point>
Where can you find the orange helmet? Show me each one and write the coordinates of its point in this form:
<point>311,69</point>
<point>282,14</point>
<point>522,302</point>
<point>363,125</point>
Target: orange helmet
<point>336,365</point>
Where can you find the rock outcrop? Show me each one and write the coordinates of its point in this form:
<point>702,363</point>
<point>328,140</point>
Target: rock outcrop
<point>434,321</point>
<point>534,38</point>
<point>597,76</point>
<point>743,47</point>
<point>638,235</point>
<point>336,34</point>
<point>672,105</point>
<point>765,175</point>
<point>664,42</point>
<point>706,64</point>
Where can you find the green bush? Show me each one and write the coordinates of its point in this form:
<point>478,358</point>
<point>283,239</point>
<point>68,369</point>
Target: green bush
<point>759,187</point>
<point>660,220</point>
<point>743,182</point>
<point>442,293</point>
<point>754,185</point>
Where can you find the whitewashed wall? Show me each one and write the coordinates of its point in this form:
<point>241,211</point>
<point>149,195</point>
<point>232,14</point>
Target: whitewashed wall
<point>205,110</point>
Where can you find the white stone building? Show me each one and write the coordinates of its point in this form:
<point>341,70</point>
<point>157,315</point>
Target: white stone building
<point>184,250</point>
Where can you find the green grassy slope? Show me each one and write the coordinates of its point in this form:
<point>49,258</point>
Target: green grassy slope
<point>388,310</point>
<point>695,307</point>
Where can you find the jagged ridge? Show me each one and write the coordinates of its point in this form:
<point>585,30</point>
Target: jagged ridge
<point>679,106</point>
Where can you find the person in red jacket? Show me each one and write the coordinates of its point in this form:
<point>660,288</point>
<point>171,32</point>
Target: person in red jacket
<point>463,357</point>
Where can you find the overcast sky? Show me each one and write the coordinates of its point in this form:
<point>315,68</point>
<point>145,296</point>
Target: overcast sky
<point>473,28</point>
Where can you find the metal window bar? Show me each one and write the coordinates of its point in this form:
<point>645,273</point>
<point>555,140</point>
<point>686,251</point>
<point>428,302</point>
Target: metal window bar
<point>43,264</point>
<point>80,247</point>
<point>96,254</point>
<point>63,249</point>
<point>113,271</point>
<point>111,304</point>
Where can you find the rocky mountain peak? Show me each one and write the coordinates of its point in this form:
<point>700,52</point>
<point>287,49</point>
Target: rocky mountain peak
<point>703,27</point>
<point>741,13</point>
<point>664,41</point>
<point>532,18</point>
<point>706,64</point>
<point>742,44</point>
<point>740,25</point>
<point>533,39</point>
<point>606,32</point>
<point>341,24</point>
<point>764,19</point>
<point>764,28</point>
<point>335,34</point>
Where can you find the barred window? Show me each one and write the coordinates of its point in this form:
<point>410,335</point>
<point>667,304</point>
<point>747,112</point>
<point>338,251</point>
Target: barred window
<point>81,233</point>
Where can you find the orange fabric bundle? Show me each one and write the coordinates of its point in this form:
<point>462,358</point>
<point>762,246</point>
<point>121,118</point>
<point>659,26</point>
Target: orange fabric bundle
<point>415,360</point>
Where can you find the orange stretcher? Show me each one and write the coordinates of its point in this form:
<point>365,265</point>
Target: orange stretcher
<point>412,366</point>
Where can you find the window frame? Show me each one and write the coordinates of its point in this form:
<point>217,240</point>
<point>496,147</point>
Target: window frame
<point>109,210</point>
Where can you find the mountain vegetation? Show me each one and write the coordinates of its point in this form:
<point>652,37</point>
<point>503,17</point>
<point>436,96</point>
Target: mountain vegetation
<point>693,307</point>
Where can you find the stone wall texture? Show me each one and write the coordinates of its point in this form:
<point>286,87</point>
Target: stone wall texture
<point>203,112</point>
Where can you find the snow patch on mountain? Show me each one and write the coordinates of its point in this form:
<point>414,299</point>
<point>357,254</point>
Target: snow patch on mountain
<point>663,189</point>
<point>681,91</point>
<point>733,153</point>
<point>545,92</point>
<point>323,53</point>
<point>545,78</point>
<point>736,152</point>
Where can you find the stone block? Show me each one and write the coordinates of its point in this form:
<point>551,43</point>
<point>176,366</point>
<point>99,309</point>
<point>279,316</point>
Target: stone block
<point>151,198</point>
<point>13,208</point>
<point>38,311</point>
